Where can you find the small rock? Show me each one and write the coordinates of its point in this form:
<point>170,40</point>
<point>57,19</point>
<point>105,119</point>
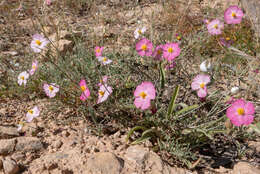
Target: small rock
<point>245,168</point>
<point>57,144</point>
<point>7,132</point>
<point>103,163</point>
<point>26,144</point>
<point>10,166</point>
<point>7,146</point>
<point>137,154</point>
<point>255,145</point>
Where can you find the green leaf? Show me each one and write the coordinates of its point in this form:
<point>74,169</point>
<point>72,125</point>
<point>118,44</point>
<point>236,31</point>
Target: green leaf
<point>134,129</point>
<point>172,103</point>
<point>162,76</point>
<point>141,139</point>
<point>187,109</point>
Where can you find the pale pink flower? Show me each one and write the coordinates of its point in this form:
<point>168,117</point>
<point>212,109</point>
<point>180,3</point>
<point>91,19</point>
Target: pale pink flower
<point>215,27</point>
<point>157,53</point>
<point>48,2</point>
<point>38,43</point>
<point>85,91</point>
<point>233,15</point>
<point>144,93</point>
<point>34,67</point>
<point>98,51</point>
<point>22,78</point>
<point>199,84</point>
<point>32,113</point>
<point>50,90</point>
<point>171,51</point>
<point>144,47</point>
<point>226,41</point>
<point>103,81</point>
<point>241,112</point>
<point>103,93</point>
<point>104,60</point>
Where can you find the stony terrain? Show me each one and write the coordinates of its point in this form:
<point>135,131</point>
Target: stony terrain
<point>62,145</point>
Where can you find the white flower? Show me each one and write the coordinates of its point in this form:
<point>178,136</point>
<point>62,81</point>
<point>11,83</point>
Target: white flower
<point>38,43</point>
<point>32,113</point>
<point>205,66</point>
<point>104,60</point>
<point>234,90</point>
<point>22,78</point>
<point>50,90</point>
<point>103,93</point>
<point>139,32</point>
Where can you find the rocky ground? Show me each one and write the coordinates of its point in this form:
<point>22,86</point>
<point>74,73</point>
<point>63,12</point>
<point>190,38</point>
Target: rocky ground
<point>55,145</point>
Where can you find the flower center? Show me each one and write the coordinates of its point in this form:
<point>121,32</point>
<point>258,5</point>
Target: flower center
<point>30,111</point>
<point>101,93</point>
<point>240,111</point>
<point>227,38</point>
<point>38,42</point>
<point>83,88</point>
<point>144,47</point>
<point>179,37</point>
<point>215,26</point>
<point>98,50</point>
<point>233,15</point>
<point>34,67</point>
<point>170,50</point>
<point>104,59</point>
<point>143,95</point>
<point>159,52</point>
<point>202,85</point>
<point>22,77</point>
<point>139,31</point>
<point>50,88</point>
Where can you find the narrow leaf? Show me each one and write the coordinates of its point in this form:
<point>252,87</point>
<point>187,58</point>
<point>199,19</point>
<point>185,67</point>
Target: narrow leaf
<point>134,129</point>
<point>171,106</point>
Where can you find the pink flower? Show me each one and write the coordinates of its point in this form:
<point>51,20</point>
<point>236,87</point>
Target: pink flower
<point>241,112</point>
<point>32,113</point>
<point>48,2</point>
<point>38,43</point>
<point>103,81</point>
<point>233,15</point>
<point>171,51</point>
<point>104,60</point>
<point>103,93</point>
<point>199,84</point>
<point>225,41</point>
<point>144,47</point>
<point>34,67</point>
<point>50,90</point>
<point>98,51</point>
<point>215,27</point>
<point>143,94</point>
<point>85,91</point>
<point>157,53</point>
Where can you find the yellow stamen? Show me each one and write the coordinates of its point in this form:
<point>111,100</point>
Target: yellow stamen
<point>34,67</point>
<point>170,50</point>
<point>30,111</point>
<point>51,88</point>
<point>139,31</point>
<point>240,111</point>
<point>101,93</point>
<point>38,42</point>
<point>144,47</point>
<point>98,50</point>
<point>233,15</point>
<point>159,52</point>
<point>143,95</point>
<point>202,85</point>
<point>22,77</point>
<point>215,26</point>
<point>179,37</point>
<point>227,38</point>
<point>83,88</point>
<point>104,59</point>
